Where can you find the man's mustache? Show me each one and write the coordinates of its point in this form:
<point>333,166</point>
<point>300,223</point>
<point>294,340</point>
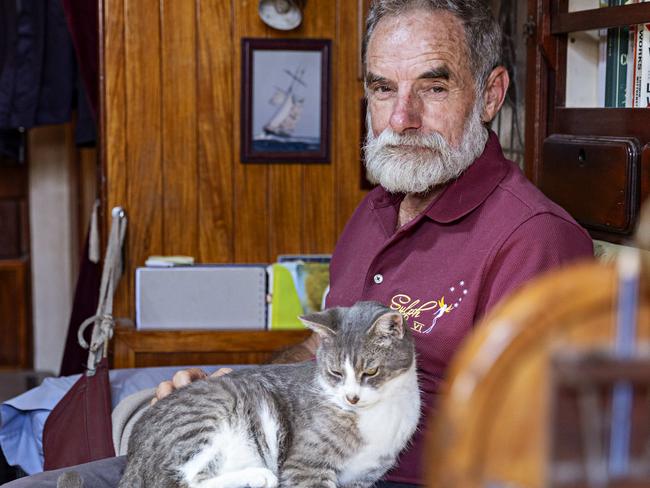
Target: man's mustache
<point>392,140</point>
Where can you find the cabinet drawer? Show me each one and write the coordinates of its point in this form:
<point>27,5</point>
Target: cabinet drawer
<point>596,179</point>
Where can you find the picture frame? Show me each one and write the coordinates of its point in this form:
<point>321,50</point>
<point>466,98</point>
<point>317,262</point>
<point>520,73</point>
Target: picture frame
<point>285,100</point>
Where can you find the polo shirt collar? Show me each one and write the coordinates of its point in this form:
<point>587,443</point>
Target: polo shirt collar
<point>471,188</point>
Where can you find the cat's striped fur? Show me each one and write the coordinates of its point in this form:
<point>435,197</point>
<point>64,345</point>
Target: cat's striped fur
<point>339,421</point>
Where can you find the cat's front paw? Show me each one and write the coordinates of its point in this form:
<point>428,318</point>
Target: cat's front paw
<point>261,478</point>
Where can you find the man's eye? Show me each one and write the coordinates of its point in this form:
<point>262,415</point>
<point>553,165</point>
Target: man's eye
<point>368,373</point>
<point>382,89</point>
<point>437,89</point>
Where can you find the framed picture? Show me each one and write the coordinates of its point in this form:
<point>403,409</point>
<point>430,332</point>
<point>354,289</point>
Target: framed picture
<point>285,104</point>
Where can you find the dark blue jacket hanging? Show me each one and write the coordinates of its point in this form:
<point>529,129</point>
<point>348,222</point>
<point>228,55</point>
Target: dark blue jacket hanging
<point>39,74</point>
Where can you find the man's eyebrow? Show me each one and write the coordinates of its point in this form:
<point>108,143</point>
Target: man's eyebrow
<point>373,78</point>
<point>436,73</point>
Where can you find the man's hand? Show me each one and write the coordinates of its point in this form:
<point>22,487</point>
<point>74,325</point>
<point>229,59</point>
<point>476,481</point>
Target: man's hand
<point>183,378</point>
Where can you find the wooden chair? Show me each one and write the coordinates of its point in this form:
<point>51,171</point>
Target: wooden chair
<point>504,419</point>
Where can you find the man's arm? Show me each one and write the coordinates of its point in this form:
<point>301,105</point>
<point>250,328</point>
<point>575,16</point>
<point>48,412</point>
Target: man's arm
<point>304,351</point>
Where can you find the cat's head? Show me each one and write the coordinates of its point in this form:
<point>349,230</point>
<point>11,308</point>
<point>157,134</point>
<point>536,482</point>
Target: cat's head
<point>364,352</point>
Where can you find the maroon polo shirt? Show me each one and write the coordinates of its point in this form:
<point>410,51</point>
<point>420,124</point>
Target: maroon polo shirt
<point>487,233</point>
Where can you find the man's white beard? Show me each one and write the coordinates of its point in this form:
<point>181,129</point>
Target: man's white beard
<point>416,163</point>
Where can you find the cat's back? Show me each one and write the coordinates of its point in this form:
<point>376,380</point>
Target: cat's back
<point>250,403</point>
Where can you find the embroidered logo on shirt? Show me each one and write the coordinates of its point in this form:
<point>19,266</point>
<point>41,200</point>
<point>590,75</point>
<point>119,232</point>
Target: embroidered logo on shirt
<point>415,308</point>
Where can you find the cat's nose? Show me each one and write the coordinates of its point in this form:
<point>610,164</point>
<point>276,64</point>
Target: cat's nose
<point>352,400</point>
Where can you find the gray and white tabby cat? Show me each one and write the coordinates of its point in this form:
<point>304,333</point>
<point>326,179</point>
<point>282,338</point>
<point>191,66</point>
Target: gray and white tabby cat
<point>337,422</point>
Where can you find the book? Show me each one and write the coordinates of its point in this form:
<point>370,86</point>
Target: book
<point>641,69</point>
<point>616,73</point>
<point>644,65</point>
<point>297,286</point>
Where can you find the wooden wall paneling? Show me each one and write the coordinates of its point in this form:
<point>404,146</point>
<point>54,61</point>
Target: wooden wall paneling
<point>114,180</point>
<point>87,190</point>
<point>537,75</point>
<point>216,70</point>
<point>287,184</point>
<point>134,348</point>
<point>143,131</point>
<point>179,119</point>
<point>318,207</point>
<point>10,228</point>
<point>346,126</point>
<point>251,194</point>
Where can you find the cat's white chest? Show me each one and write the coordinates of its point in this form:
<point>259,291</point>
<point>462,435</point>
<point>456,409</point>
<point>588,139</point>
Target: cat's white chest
<point>385,429</point>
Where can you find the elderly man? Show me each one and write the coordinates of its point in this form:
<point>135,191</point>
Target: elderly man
<point>453,226</point>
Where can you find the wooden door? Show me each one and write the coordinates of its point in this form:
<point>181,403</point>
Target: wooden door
<point>15,290</point>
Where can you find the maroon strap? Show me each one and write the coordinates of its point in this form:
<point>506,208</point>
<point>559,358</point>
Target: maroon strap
<point>79,429</point>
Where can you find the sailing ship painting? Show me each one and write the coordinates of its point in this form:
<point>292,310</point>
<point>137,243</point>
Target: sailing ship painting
<point>286,102</point>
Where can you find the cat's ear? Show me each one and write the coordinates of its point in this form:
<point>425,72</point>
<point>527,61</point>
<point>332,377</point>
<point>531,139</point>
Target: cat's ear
<point>323,323</point>
<point>390,324</point>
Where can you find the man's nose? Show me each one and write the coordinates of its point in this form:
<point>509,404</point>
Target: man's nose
<point>406,114</point>
<point>352,399</point>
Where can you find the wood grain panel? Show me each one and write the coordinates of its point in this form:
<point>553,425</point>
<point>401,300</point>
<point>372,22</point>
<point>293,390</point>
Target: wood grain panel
<point>87,190</point>
<point>627,122</point>
<point>171,125</point>
<point>318,206</point>
<point>163,348</point>
<point>13,183</point>
<point>287,191</point>
<point>113,127</point>
<point>143,128</point>
<point>215,111</point>
<point>15,346</point>
<point>11,224</point>
<point>347,96</point>
<point>251,188</point>
<point>179,119</point>
<point>601,18</point>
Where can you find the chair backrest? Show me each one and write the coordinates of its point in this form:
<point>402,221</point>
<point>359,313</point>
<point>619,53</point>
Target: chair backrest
<point>493,427</point>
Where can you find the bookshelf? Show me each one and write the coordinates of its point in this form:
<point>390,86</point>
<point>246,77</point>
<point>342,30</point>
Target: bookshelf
<point>592,159</point>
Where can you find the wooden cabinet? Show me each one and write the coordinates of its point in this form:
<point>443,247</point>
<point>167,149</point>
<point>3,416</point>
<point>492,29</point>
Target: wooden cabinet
<point>132,348</point>
<point>15,290</point>
<point>588,130</point>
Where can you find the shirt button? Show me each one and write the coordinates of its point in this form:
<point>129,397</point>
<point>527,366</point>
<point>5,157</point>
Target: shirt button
<point>378,278</point>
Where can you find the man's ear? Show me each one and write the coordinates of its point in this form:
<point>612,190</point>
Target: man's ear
<point>495,92</point>
<point>323,323</point>
<point>388,325</point>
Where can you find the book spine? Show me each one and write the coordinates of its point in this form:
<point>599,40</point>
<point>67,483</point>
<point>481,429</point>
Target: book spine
<point>644,63</point>
<point>622,59</point>
<point>610,90</point>
<point>638,65</point>
<point>629,85</point>
<point>616,63</point>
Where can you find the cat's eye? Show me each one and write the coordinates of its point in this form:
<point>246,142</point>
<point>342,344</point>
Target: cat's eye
<point>371,372</point>
<point>335,373</point>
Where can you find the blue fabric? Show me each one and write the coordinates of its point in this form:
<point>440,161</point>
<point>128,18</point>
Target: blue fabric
<point>22,418</point>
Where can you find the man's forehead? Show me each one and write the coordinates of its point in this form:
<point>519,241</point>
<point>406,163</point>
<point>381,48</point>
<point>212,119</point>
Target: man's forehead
<point>417,41</point>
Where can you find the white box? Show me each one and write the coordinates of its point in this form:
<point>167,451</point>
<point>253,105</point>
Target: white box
<point>201,297</point>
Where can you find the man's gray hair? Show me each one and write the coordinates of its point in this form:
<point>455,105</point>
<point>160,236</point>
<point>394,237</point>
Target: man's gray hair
<point>482,32</point>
